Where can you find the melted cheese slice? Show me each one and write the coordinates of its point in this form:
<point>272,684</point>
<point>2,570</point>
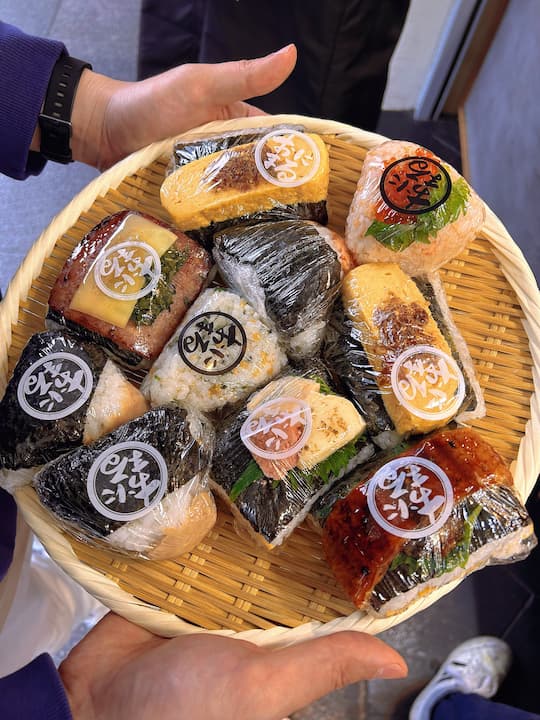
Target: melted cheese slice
<point>91,300</point>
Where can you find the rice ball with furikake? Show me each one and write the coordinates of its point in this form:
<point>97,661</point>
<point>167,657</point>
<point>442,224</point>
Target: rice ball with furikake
<point>221,352</point>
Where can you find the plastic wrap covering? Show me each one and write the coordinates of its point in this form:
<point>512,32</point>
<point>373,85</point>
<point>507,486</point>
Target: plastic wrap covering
<point>143,488</point>
<point>437,511</point>
<point>64,391</point>
<point>281,173</point>
<point>394,345</point>
<point>278,453</point>
<point>288,271</point>
<point>220,353</point>
<point>128,284</point>
<point>186,151</point>
<point>411,208</point>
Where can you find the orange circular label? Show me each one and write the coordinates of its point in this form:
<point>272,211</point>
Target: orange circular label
<point>428,382</point>
<point>415,185</point>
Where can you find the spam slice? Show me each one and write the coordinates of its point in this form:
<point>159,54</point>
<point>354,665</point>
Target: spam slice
<point>127,285</point>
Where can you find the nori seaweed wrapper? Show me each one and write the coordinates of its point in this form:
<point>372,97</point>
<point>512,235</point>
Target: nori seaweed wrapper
<point>390,531</point>
<point>315,211</point>
<point>428,291</point>
<point>298,272</point>
<point>186,151</point>
<point>27,441</point>
<point>485,516</point>
<point>343,352</point>
<point>62,484</point>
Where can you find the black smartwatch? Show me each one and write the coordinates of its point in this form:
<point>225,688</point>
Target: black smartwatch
<point>55,116</point>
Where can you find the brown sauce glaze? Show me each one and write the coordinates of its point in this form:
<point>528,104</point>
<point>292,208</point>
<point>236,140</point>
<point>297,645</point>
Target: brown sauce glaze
<point>234,170</point>
<point>400,326</point>
<point>360,551</point>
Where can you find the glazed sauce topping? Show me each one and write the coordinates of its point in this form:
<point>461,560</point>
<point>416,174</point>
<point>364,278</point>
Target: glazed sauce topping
<point>360,551</point>
<point>233,170</point>
<point>400,326</point>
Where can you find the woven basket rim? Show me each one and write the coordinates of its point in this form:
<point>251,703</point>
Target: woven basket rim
<point>525,468</point>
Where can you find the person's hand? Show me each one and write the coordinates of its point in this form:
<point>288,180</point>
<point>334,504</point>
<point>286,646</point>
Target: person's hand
<point>111,118</point>
<point>121,672</point>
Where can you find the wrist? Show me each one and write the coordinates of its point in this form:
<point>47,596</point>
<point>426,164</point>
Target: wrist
<point>77,693</point>
<point>89,143</point>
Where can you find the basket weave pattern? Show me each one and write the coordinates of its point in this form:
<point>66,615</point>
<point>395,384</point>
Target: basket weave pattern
<point>227,584</point>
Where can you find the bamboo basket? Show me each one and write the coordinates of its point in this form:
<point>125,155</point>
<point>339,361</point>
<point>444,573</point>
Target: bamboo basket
<point>227,585</point>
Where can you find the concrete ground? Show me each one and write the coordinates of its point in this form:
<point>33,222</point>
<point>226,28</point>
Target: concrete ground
<point>498,600</point>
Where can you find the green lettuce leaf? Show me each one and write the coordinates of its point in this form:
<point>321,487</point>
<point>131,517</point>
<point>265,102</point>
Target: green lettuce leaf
<point>399,236</point>
<point>457,557</point>
<point>332,466</point>
<point>252,473</point>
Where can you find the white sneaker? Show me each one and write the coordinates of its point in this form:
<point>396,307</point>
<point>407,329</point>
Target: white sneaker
<point>476,666</point>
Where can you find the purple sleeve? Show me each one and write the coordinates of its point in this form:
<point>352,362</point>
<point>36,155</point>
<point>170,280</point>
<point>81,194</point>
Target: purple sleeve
<point>34,693</point>
<point>8,516</point>
<point>26,64</point>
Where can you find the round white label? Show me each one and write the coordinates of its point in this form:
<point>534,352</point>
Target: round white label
<point>278,428</point>
<point>287,157</point>
<point>55,386</point>
<point>127,480</point>
<point>428,382</point>
<point>122,267</point>
<point>409,492</point>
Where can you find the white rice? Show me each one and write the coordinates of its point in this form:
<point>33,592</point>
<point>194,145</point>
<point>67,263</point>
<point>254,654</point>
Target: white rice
<point>143,534</point>
<point>170,379</point>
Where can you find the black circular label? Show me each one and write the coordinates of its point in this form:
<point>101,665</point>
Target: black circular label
<point>212,343</point>
<point>415,185</point>
<point>55,386</point>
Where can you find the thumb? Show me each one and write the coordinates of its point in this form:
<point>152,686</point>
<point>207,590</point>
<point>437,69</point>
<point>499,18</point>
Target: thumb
<point>228,82</point>
<point>298,675</point>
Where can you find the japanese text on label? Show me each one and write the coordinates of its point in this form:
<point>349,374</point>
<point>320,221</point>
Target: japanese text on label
<point>428,382</point>
<point>278,428</point>
<point>410,497</point>
<point>55,386</point>
<point>287,158</point>
<point>212,343</point>
<point>127,481</point>
<point>128,271</point>
<point>415,185</point>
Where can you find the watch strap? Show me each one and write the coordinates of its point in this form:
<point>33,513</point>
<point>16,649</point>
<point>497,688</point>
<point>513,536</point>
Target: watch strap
<point>55,116</point>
